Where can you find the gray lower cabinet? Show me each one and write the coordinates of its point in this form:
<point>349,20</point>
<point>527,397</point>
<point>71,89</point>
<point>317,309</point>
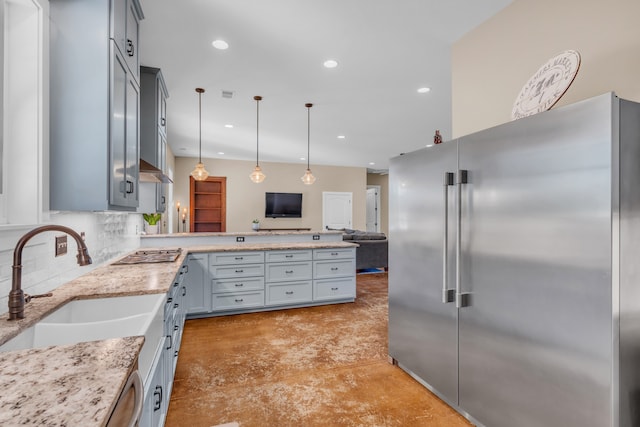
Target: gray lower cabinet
<point>258,280</point>
<point>198,291</point>
<point>159,383</point>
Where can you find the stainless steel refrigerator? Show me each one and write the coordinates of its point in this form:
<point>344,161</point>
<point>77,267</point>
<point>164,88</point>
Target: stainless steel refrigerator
<point>514,269</point>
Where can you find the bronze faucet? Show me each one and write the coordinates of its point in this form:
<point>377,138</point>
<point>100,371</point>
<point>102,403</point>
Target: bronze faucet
<point>16,296</point>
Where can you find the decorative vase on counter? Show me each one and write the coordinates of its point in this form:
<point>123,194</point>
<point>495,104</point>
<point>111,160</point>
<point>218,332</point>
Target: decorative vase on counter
<point>255,225</point>
<point>151,229</point>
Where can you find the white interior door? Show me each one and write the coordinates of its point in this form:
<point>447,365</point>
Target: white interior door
<point>336,210</point>
<point>373,210</point>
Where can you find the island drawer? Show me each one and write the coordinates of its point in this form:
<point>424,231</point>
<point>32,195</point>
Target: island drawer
<point>238,301</point>
<point>236,285</point>
<point>322,254</point>
<point>329,289</point>
<point>234,271</point>
<point>337,268</point>
<point>227,258</point>
<point>292,271</point>
<point>289,293</point>
<point>285,256</point>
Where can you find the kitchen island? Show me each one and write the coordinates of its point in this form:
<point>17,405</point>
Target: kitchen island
<point>89,376</point>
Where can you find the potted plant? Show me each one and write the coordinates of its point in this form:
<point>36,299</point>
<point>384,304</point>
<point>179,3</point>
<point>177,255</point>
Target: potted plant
<point>256,224</point>
<point>151,220</point>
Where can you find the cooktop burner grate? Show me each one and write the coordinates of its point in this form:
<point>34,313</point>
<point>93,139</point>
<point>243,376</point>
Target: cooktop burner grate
<point>150,256</point>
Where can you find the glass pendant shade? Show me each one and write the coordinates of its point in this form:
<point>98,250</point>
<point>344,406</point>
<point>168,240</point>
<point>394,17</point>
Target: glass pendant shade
<point>257,176</point>
<point>199,173</point>
<point>308,178</point>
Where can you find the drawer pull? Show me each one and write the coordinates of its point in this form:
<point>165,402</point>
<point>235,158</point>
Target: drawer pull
<point>170,342</point>
<point>176,327</point>
<point>184,290</point>
<point>239,285</point>
<point>334,254</point>
<point>175,354</point>
<point>289,271</point>
<point>334,289</point>
<point>289,292</point>
<point>334,268</point>
<point>157,394</point>
<point>239,258</point>
<point>176,305</point>
<point>288,256</point>
<point>239,271</point>
<point>169,300</point>
<point>239,300</point>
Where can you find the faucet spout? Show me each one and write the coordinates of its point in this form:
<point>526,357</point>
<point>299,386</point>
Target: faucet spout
<point>16,295</point>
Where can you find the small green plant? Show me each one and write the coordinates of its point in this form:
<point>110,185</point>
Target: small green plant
<point>152,219</point>
<point>256,221</point>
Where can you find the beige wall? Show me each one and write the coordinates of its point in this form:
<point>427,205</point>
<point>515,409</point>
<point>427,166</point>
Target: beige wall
<point>245,200</point>
<point>383,182</point>
<point>491,63</point>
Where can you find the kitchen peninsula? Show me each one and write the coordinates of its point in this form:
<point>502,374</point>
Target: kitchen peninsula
<point>215,274</point>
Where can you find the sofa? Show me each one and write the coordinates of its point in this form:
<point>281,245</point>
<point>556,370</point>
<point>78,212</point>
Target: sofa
<point>373,249</point>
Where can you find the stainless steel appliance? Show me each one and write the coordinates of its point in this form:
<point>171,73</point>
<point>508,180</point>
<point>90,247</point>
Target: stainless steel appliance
<point>514,291</point>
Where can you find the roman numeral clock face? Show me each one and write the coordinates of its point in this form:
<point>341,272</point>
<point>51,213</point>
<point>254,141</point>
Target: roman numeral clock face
<point>547,85</point>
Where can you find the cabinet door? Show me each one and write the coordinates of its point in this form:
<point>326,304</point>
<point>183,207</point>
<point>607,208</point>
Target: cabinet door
<point>161,198</point>
<point>162,107</point>
<point>131,42</point>
<point>119,187</point>
<point>198,297</point>
<point>132,142</point>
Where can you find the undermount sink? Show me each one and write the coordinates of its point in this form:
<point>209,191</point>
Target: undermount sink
<point>99,319</point>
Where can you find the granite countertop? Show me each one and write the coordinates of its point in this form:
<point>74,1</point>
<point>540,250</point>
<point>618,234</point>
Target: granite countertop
<point>79,384</point>
<point>245,233</point>
<point>75,385</point>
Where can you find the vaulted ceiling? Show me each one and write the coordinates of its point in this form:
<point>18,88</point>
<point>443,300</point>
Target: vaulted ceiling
<point>386,51</point>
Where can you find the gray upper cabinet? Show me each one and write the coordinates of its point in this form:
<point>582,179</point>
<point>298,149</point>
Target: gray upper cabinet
<point>94,105</point>
<point>153,135</point>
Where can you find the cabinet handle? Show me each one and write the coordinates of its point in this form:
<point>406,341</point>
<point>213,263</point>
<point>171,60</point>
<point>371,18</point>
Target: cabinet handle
<point>186,268</point>
<point>130,48</point>
<point>334,289</point>
<point>175,354</point>
<point>130,187</point>
<point>289,271</point>
<point>169,300</point>
<point>334,268</point>
<point>239,258</point>
<point>239,285</point>
<point>448,295</point>
<point>239,271</point>
<point>184,290</point>
<point>334,253</point>
<point>158,394</point>
<point>164,200</point>
<point>239,300</point>
<point>288,256</point>
<point>163,121</point>
<point>289,292</point>
<point>176,327</point>
<point>170,342</point>
<point>176,305</point>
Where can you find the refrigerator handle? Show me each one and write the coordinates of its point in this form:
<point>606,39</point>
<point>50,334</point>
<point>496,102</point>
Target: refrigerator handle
<point>448,295</point>
<point>461,299</point>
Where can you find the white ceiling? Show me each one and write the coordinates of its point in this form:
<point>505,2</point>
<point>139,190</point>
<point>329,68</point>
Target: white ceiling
<point>386,50</point>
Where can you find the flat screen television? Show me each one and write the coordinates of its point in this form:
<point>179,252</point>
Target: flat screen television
<point>283,205</point>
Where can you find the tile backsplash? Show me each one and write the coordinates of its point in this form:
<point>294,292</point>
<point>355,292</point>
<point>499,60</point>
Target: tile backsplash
<point>107,236</point>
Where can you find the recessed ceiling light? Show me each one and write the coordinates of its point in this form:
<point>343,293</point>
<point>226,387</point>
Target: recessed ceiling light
<point>429,145</point>
<point>303,158</point>
<point>221,153</point>
<point>228,126</point>
<point>424,90</point>
<point>341,137</point>
<point>330,63</point>
<point>220,44</point>
<point>371,163</point>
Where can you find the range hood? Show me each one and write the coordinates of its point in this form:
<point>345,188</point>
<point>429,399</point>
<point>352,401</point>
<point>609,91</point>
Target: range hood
<point>150,173</point>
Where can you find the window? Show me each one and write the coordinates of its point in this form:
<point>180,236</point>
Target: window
<point>24,111</point>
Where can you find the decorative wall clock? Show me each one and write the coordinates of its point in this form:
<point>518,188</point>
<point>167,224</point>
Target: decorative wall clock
<point>547,85</point>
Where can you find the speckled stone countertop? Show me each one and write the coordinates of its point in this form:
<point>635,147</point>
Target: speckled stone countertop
<point>72,385</point>
<point>79,384</point>
<point>250,232</point>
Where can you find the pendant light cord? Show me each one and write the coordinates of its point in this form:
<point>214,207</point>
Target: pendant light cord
<point>308,131</point>
<point>200,125</point>
<point>257,98</point>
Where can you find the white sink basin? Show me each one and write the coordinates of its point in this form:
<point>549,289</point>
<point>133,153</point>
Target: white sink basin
<point>98,319</point>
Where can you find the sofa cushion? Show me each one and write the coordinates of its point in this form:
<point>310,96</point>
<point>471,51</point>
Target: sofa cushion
<point>369,236</point>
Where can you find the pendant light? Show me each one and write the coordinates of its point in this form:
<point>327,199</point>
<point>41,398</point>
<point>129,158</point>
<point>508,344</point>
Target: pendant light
<point>257,176</point>
<point>308,177</point>
<point>200,173</point>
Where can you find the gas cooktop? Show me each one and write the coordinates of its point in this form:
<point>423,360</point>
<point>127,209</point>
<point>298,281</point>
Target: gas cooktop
<point>150,256</point>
